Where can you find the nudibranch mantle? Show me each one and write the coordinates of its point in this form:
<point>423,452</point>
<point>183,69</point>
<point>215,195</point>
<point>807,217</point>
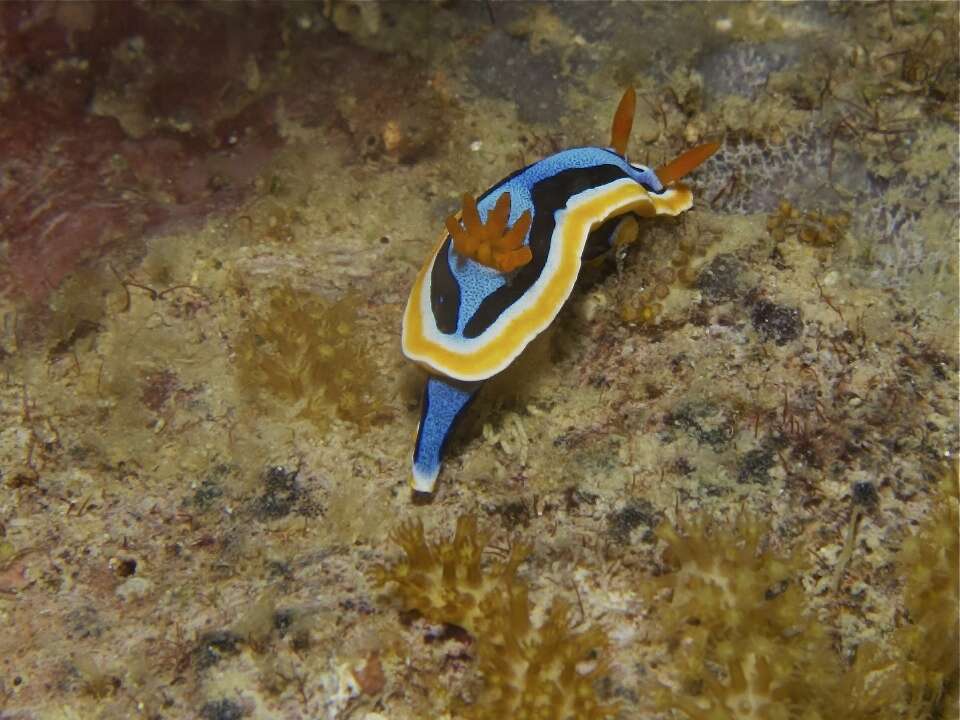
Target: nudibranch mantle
<point>506,264</point>
<point>468,322</point>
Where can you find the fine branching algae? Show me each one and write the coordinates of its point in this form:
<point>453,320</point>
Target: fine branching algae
<point>528,672</point>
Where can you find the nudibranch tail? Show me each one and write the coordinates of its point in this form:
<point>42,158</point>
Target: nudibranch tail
<point>686,163</point>
<point>490,243</point>
<point>623,121</point>
<point>443,404</point>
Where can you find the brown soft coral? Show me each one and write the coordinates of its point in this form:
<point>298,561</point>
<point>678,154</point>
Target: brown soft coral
<point>929,643</point>
<point>444,581</point>
<point>490,243</point>
<point>308,354</point>
<point>736,623</point>
<point>528,672</point>
<point>737,608</point>
<point>533,672</point>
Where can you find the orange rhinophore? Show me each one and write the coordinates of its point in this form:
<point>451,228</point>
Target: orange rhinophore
<point>623,121</point>
<point>686,163</point>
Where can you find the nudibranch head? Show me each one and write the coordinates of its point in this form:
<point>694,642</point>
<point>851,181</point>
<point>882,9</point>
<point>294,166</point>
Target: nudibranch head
<point>506,263</point>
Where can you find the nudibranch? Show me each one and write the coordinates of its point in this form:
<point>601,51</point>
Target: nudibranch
<point>506,263</point>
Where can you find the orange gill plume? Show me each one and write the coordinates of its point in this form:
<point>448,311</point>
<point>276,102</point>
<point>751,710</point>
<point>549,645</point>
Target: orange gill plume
<point>491,243</point>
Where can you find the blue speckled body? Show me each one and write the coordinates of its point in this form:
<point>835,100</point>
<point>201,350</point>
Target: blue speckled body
<point>445,398</point>
<point>478,281</point>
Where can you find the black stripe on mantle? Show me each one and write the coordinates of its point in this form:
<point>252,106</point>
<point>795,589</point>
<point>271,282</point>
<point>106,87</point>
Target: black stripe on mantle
<point>549,196</point>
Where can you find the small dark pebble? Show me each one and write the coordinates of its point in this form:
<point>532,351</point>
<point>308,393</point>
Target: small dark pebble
<point>776,322</point>
<point>636,513</point>
<point>574,498</point>
<point>705,422</point>
<point>221,710</point>
<point>205,495</point>
<point>718,281</point>
<point>865,493</point>
<point>282,494</point>
<point>755,467</point>
<point>682,466</point>
<point>282,620</point>
<point>214,646</point>
<point>126,567</point>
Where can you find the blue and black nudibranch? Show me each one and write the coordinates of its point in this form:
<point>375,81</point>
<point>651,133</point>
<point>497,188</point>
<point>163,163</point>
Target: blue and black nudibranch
<point>506,264</point>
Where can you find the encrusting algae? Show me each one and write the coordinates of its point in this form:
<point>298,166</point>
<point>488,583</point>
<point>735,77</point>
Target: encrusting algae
<point>529,673</point>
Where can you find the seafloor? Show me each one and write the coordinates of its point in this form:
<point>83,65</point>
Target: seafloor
<point>729,466</point>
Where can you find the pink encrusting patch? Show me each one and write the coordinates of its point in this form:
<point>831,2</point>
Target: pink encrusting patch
<point>74,184</point>
<point>78,190</point>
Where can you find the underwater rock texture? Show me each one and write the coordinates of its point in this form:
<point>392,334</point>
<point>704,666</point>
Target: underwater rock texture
<point>730,467</point>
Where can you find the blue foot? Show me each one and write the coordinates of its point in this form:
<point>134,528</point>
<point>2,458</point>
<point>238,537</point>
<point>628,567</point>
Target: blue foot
<point>443,404</point>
